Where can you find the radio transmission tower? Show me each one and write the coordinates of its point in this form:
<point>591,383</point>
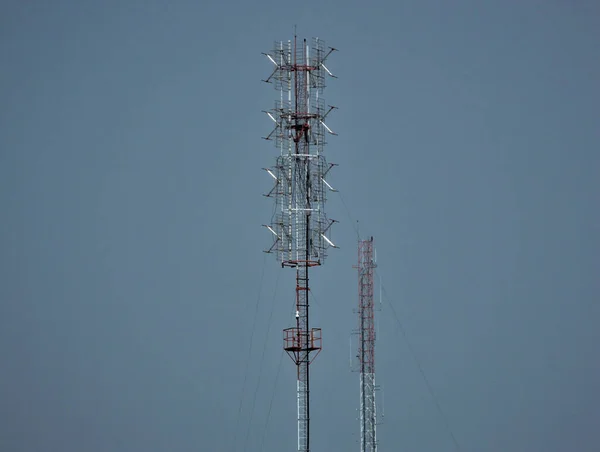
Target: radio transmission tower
<point>366,348</point>
<point>299,223</point>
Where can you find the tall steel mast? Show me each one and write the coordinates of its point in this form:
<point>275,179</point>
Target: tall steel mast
<point>299,224</point>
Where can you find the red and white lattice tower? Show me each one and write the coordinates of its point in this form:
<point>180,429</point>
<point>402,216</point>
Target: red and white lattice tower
<point>299,223</point>
<point>366,347</point>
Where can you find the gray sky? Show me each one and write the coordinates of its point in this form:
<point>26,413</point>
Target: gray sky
<point>130,192</point>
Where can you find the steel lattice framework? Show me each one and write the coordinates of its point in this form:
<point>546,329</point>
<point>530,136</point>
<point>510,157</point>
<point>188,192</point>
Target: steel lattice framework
<point>366,348</point>
<point>299,223</point>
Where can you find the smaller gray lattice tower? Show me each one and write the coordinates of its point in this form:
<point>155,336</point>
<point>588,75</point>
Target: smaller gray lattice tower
<point>366,348</point>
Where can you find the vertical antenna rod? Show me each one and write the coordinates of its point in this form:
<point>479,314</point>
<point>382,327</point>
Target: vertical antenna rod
<point>366,350</point>
<point>299,224</point>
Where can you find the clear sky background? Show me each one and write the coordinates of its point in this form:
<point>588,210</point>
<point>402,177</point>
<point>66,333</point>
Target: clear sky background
<point>131,212</point>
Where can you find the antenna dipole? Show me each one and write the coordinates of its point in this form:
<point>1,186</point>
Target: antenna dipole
<point>366,348</point>
<point>300,225</point>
